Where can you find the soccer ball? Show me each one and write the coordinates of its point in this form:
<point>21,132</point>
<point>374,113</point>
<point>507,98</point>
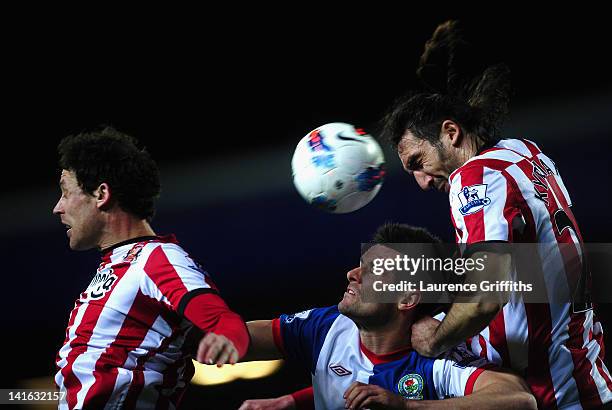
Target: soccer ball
<point>338,168</point>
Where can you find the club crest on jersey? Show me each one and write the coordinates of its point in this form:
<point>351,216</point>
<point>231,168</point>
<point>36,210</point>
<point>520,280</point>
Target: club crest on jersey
<point>473,198</point>
<point>134,252</point>
<point>410,386</point>
<point>100,284</point>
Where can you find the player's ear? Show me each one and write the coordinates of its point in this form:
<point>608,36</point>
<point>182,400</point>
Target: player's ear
<point>102,194</point>
<point>451,132</point>
<point>409,301</point>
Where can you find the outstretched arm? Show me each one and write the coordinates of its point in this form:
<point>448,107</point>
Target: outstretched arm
<point>291,337</point>
<point>495,390</point>
<point>299,400</point>
<point>226,339</point>
<point>264,344</point>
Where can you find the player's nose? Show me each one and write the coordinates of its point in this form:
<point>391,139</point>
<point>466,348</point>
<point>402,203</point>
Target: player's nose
<point>354,275</point>
<point>58,208</point>
<point>425,181</point>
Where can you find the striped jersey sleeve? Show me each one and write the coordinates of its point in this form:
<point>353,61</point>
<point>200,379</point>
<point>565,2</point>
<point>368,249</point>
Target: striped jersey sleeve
<point>172,277</point>
<point>484,204</point>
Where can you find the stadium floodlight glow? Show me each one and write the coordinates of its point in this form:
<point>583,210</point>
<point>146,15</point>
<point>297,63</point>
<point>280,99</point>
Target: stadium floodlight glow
<point>206,375</point>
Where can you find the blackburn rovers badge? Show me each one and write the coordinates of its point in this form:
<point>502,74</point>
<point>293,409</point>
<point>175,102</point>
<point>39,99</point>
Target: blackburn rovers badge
<point>410,386</point>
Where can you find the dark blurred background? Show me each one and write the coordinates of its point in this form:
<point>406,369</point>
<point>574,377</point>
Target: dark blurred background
<point>220,103</point>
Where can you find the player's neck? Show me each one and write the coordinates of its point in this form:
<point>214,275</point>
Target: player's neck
<point>467,150</point>
<point>387,339</point>
<point>120,227</point>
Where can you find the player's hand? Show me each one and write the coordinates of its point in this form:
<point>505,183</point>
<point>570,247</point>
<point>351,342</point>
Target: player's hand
<point>216,349</point>
<point>371,396</point>
<point>280,403</point>
<point>423,336</point>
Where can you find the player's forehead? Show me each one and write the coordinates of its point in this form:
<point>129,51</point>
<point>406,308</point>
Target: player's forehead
<point>378,251</point>
<point>409,143</point>
<point>410,147</point>
<point>67,179</point>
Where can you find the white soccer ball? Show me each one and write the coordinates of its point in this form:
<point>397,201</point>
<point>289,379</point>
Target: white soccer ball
<point>338,168</point>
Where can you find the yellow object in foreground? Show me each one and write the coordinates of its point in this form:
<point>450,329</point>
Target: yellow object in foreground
<point>211,374</point>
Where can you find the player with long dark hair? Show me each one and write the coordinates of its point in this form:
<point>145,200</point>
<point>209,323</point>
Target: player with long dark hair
<point>500,190</point>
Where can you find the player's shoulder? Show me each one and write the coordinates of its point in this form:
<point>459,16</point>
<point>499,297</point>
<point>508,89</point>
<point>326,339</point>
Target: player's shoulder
<point>479,171</point>
<point>475,171</point>
<point>316,315</point>
<point>162,253</point>
<point>165,249</point>
<point>311,327</point>
<point>520,146</point>
<point>494,160</point>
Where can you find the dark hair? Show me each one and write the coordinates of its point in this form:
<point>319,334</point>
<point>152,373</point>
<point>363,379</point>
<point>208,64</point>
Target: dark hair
<point>391,233</point>
<point>110,156</point>
<point>458,86</point>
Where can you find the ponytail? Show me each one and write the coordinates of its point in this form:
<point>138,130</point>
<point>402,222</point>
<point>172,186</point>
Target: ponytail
<point>459,85</point>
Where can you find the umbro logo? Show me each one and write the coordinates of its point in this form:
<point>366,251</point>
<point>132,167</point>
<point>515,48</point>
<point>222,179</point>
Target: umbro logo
<point>339,370</point>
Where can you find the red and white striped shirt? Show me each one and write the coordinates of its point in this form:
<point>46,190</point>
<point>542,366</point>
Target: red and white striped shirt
<point>126,334</point>
<point>513,192</point>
